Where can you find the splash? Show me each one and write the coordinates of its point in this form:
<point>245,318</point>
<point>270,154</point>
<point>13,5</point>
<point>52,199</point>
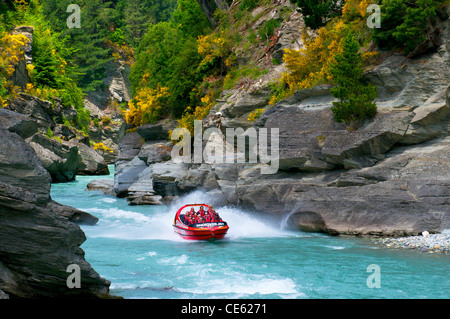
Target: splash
<point>156,222</point>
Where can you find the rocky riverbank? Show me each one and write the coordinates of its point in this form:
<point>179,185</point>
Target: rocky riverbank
<point>39,238</point>
<point>428,243</point>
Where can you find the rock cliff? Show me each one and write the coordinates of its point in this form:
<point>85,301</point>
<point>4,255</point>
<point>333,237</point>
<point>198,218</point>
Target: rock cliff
<point>67,152</point>
<point>40,238</point>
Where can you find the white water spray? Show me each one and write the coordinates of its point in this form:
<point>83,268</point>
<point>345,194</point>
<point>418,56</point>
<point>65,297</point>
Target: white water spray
<point>156,223</point>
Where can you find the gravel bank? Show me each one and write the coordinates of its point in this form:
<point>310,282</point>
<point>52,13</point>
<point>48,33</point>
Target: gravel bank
<point>429,243</point>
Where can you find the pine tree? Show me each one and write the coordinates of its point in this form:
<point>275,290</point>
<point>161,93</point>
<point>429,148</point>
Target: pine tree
<point>317,12</point>
<point>355,96</point>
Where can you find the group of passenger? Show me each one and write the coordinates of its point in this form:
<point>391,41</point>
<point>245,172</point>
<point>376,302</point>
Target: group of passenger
<point>210,216</point>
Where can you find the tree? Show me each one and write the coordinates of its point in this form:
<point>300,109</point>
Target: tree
<point>208,10</point>
<point>317,12</point>
<point>406,24</point>
<point>355,96</point>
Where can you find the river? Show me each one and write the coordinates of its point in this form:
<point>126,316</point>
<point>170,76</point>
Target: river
<point>136,249</point>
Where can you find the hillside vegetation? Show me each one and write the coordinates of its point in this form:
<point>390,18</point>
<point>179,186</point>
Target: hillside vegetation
<point>184,58</point>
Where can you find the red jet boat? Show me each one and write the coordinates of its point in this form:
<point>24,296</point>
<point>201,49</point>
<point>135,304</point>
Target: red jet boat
<point>203,231</point>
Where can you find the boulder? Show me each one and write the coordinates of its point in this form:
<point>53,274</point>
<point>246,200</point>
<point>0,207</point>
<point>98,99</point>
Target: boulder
<point>72,214</point>
<point>126,174</point>
<point>141,192</point>
<point>157,132</point>
<point>156,152</point>
<point>36,109</point>
<point>18,123</point>
<point>19,166</point>
<point>166,177</point>
<point>60,159</point>
<point>90,162</point>
<point>104,185</point>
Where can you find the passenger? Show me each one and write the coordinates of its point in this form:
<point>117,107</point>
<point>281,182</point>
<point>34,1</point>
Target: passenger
<point>216,217</point>
<point>188,219</point>
<point>202,211</point>
<point>211,214</point>
<point>207,217</point>
<point>198,218</point>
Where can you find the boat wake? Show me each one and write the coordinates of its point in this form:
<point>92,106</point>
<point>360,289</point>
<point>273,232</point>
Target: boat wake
<point>120,221</point>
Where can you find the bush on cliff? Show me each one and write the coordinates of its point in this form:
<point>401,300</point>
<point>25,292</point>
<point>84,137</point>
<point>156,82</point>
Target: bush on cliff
<point>355,97</point>
<point>405,24</point>
<point>317,12</point>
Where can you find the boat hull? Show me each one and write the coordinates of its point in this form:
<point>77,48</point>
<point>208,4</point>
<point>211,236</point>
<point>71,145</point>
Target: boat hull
<point>201,233</point>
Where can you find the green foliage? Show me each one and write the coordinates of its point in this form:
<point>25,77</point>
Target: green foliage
<point>404,24</point>
<point>317,12</point>
<point>49,133</point>
<point>168,53</point>
<point>355,97</point>
<point>119,21</point>
<point>249,72</point>
<point>267,29</point>
<point>83,119</point>
<point>248,4</point>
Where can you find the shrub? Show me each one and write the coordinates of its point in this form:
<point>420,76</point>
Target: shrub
<point>256,114</point>
<point>404,24</point>
<point>248,4</point>
<point>267,29</point>
<point>148,106</point>
<point>355,97</point>
<point>316,13</point>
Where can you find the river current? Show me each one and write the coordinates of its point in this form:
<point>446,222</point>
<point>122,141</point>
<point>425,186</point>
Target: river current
<point>136,249</point>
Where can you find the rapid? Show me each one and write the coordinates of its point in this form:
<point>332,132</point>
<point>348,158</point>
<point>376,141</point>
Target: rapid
<point>136,249</point>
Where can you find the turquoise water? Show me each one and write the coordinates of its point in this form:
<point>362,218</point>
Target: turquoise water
<point>136,249</point>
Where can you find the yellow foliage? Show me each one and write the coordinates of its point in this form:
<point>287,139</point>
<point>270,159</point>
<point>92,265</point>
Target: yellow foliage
<point>12,50</point>
<point>256,114</point>
<point>147,106</point>
<point>200,112</point>
<point>353,8</point>
<point>310,66</point>
<point>3,102</point>
<point>103,148</point>
<point>43,93</point>
<point>213,46</point>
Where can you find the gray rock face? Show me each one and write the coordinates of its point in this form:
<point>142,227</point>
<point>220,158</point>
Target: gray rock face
<point>20,77</point>
<point>23,125</point>
<point>59,159</point>
<point>104,185</point>
<point>20,167</point>
<point>32,117</point>
<point>39,240</point>
<point>157,132</point>
<point>90,162</point>
<point>37,109</point>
